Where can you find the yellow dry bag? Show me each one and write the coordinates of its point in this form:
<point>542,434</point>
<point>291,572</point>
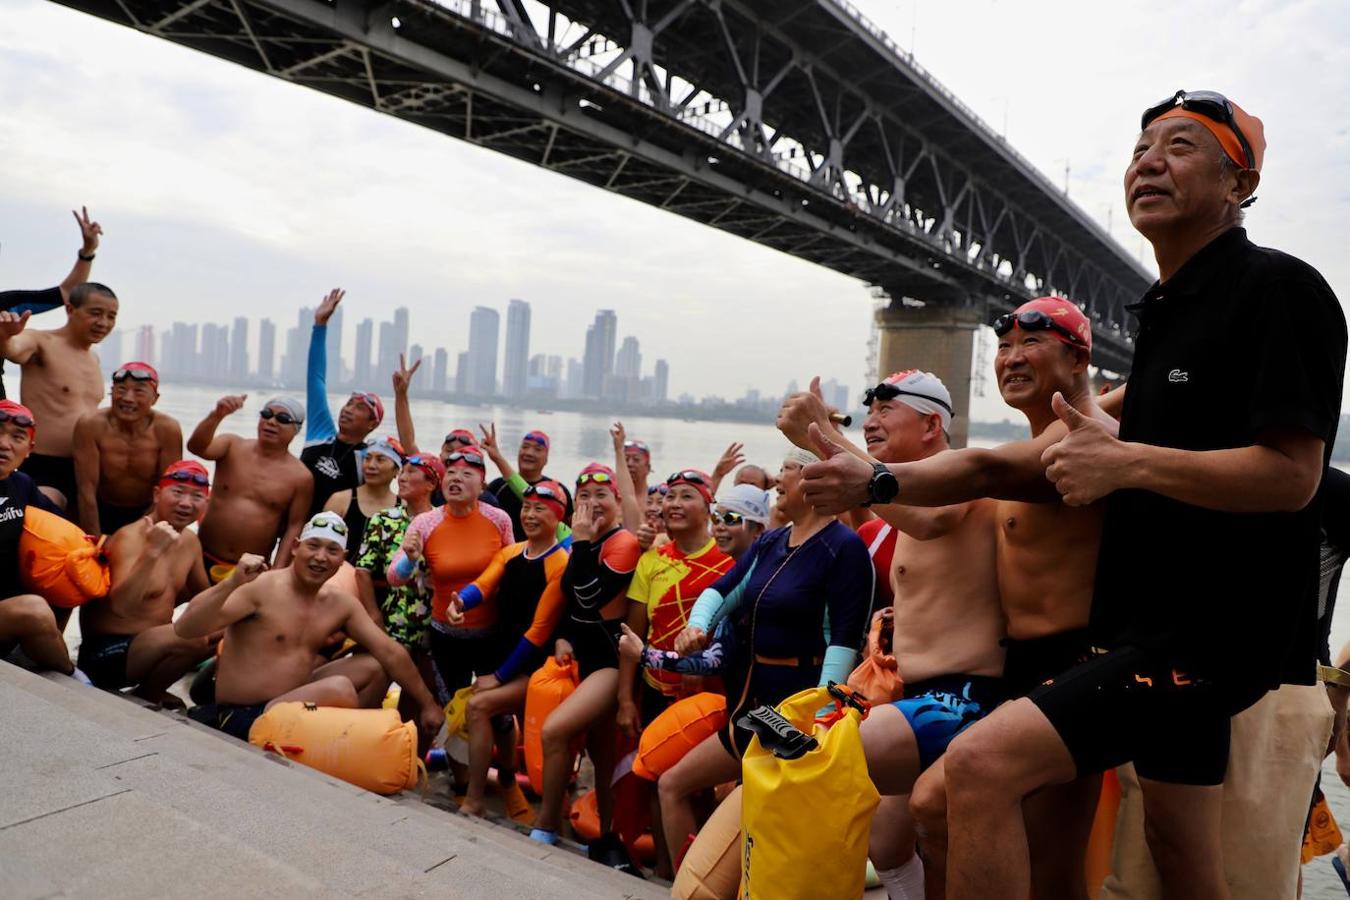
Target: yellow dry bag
<point>807,819</point>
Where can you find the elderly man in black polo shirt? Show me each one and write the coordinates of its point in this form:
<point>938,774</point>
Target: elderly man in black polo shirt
<point>1207,579</point>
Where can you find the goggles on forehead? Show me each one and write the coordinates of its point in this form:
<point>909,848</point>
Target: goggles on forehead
<point>336,526</point>
<point>640,446</point>
<point>472,459</point>
<point>661,489</point>
<point>1210,104</point>
<point>17,418</point>
<point>456,437</point>
<point>185,477</point>
<point>594,478</point>
<point>537,439</point>
<point>544,491</point>
<point>688,475</point>
<point>124,373</point>
<point>1034,320</point>
<point>888,391</point>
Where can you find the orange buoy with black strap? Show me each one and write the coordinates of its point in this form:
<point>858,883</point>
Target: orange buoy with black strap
<point>59,562</point>
<point>676,731</point>
<point>548,688</point>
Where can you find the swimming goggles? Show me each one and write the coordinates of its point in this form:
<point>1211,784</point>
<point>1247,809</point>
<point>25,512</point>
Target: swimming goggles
<point>594,478</point>
<point>472,459</point>
<point>184,477</point>
<point>688,475</point>
<point>370,400</point>
<point>283,418</point>
<point>1210,104</point>
<point>639,446</point>
<point>18,419</point>
<point>1031,320</point>
<point>728,518</point>
<point>888,391</point>
<point>124,373</point>
<point>336,526</point>
<point>534,437</point>
<point>459,436</point>
<point>661,489</point>
<point>544,491</point>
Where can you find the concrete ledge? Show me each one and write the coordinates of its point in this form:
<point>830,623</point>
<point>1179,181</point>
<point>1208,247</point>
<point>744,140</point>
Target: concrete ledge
<point>104,798</point>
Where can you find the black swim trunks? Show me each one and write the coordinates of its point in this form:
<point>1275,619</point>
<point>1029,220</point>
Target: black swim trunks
<point>52,471</point>
<point>595,645</point>
<point>233,720</point>
<point>103,657</point>
<point>1034,661</point>
<point>112,517</point>
<point>462,653</point>
<point>1131,705</point>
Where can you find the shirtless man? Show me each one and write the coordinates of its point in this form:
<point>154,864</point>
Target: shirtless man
<point>25,619</point>
<point>47,299</point>
<point>121,450</point>
<point>275,625</point>
<point>943,571</point>
<point>156,562</point>
<point>1047,555</point>
<point>61,380</point>
<point>262,491</point>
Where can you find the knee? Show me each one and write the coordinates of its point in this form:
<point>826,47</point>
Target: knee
<point>344,691</point>
<point>476,711</point>
<point>973,765</point>
<point>28,614</point>
<point>555,737</point>
<point>928,805</point>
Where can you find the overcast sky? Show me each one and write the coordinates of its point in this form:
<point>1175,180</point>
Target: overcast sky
<point>225,192</point>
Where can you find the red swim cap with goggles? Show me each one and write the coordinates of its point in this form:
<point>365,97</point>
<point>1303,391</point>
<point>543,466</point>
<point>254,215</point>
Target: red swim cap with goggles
<point>20,415</point>
<point>186,472</point>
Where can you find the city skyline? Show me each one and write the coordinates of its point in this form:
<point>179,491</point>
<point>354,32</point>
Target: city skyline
<point>212,353</point>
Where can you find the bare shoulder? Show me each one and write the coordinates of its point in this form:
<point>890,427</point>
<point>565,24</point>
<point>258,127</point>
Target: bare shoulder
<point>92,423</point>
<point>189,544</point>
<point>166,426</point>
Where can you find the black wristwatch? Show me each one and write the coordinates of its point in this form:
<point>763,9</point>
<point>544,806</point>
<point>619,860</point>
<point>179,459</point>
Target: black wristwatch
<point>83,258</point>
<point>883,487</point>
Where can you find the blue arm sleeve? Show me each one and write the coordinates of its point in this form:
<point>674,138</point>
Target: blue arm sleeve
<point>517,661</point>
<point>319,425</point>
<point>404,567</point>
<point>20,302</point>
<point>470,596</point>
<point>839,663</point>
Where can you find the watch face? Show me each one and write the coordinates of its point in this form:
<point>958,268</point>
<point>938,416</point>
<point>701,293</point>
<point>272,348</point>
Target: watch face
<point>884,485</point>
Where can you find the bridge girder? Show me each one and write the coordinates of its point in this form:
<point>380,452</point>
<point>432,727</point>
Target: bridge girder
<point>787,123</point>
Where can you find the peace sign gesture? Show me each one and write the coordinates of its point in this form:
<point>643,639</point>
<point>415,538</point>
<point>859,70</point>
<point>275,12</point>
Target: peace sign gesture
<point>403,375</point>
<point>90,231</point>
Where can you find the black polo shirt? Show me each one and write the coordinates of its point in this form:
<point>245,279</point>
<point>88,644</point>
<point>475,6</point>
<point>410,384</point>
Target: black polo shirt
<point>1241,341</point>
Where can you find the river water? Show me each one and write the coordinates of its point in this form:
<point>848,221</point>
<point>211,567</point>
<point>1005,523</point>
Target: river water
<point>578,438</point>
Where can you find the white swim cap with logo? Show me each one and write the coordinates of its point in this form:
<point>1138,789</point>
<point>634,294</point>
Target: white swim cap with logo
<point>923,392</point>
<point>326,526</point>
<point>750,502</point>
<point>800,457</point>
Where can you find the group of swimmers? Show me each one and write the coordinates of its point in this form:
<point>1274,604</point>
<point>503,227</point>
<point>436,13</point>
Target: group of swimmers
<point>1128,586</point>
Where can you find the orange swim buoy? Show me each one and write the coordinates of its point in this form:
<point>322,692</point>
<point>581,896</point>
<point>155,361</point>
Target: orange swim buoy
<point>585,819</point>
<point>681,728</point>
<point>59,561</point>
<point>547,689</point>
<point>370,748</point>
<point>711,868</point>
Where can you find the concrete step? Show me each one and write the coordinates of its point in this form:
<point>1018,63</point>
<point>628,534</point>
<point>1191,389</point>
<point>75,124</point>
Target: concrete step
<point>104,798</point>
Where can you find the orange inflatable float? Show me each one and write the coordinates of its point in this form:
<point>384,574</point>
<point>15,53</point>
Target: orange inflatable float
<point>548,688</point>
<point>585,819</point>
<point>370,748</point>
<point>711,868</point>
<point>681,728</point>
<point>59,561</point>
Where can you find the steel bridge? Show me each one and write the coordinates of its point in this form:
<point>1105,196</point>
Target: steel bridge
<point>796,124</point>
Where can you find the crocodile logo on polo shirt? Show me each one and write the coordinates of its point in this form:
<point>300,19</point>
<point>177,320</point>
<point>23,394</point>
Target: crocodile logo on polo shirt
<point>1177,376</point>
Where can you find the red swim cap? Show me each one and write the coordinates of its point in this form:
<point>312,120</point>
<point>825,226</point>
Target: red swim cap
<point>551,494</point>
<point>601,474</point>
<point>699,481</point>
<point>133,369</point>
<point>470,456</point>
<point>1064,314</point>
<point>13,410</point>
<point>186,472</point>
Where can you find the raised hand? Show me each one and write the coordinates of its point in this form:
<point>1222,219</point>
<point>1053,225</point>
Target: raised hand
<point>249,567</point>
<point>800,411</point>
<point>488,441</point>
<point>229,405</point>
<point>12,323</point>
<point>1089,462</point>
<point>90,231</point>
<point>403,375</point>
<point>412,544</point>
<point>583,521</point>
<point>158,536</point>
<point>840,481</point>
<point>727,463</point>
<point>618,435</point>
<point>328,305</point>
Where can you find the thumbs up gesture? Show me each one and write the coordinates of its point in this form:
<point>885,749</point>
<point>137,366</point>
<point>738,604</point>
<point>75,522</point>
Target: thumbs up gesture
<point>838,483</point>
<point>1089,462</point>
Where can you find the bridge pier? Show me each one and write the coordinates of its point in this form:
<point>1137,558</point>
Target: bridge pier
<point>937,339</point>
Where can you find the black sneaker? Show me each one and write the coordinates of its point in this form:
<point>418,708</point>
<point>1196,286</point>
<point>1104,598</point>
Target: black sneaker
<point>608,850</point>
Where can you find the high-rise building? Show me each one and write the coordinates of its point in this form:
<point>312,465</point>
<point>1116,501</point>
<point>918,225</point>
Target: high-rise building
<point>267,349</point>
<point>365,332</point>
<point>296,361</point>
<point>554,369</point>
<point>145,344</point>
<point>628,361</point>
<point>239,350</point>
<point>337,373</point>
<point>180,356</point>
<point>393,341</point>
<point>598,363</point>
<point>415,354</point>
<point>661,389</point>
<point>215,352</point>
<point>462,373</point>
<point>110,353</point>
<point>574,385</point>
<point>483,326</point>
<point>439,374</point>
<point>165,349</point>
<point>517,348</point>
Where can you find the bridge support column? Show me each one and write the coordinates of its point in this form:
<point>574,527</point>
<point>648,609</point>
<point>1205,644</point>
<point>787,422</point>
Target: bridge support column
<point>937,339</point>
